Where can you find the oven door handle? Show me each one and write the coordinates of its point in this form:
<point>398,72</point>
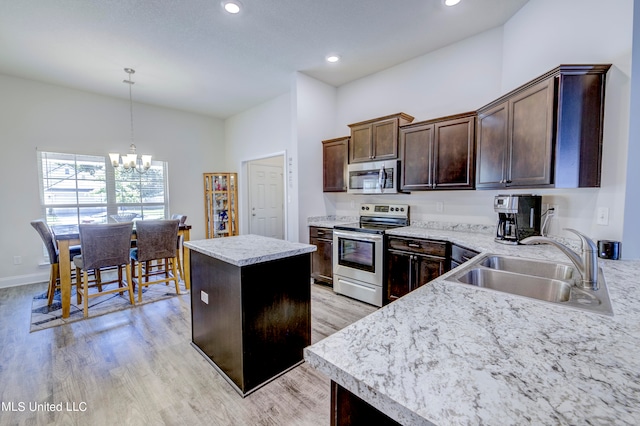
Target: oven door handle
<point>361,236</point>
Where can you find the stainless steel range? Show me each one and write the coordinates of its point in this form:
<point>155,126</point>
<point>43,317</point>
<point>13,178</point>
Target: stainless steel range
<point>358,266</point>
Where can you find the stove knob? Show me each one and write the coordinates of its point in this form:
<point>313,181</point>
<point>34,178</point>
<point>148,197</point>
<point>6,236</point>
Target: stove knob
<point>367,207</point>
<point>362,207</point>
<point>401,209</point>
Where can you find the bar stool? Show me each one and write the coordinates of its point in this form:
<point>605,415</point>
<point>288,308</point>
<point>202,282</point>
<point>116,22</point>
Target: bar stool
<point>156,240</point>
<point>104,246</point>
<point>49,242</point>
<point>182,218</point>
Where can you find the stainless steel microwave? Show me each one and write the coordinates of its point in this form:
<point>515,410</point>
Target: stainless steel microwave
<point>375,177</point>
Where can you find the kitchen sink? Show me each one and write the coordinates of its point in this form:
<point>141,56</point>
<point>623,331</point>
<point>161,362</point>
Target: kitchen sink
<point>537,268</point>
<point>551,282</point>
<point>546,289</point>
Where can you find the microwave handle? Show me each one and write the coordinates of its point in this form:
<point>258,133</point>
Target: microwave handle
<point>382,175</point>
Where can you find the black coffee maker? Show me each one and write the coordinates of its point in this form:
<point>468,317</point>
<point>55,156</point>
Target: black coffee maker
<point>518,217</point>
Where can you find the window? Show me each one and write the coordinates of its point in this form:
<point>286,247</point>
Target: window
<point>76,188</point>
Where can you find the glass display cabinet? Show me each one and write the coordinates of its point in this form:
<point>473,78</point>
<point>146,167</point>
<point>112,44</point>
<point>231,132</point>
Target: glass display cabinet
<point>221,204</point>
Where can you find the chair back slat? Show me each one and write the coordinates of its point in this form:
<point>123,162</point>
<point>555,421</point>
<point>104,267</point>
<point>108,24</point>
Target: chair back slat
<point>156,239</point>
<point>47,238</point>
<point>105,245</point>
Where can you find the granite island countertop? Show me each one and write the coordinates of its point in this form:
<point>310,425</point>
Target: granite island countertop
<point>243,250</point>
<point>448,353</point>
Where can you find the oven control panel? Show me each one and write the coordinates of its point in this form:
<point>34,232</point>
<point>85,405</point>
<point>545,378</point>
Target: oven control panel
<point>385,210</point>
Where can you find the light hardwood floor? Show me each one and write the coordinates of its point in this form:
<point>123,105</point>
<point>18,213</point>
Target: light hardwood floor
<point>137,367</point>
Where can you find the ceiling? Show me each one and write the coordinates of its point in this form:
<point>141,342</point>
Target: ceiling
<point>193,56</point>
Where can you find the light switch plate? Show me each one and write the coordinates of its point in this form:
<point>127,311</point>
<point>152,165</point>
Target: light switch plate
<point>603,216</point>
<point>439,206</point>
<point>204,297</point>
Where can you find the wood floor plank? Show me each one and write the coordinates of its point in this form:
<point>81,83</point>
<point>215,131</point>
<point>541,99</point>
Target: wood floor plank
<point>137,366</point>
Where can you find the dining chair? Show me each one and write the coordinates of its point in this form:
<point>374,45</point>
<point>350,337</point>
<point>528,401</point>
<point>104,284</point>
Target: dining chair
<point>182,218</point>
<point>156,240</point>
<point>49,242</point>
<point>104,245</point>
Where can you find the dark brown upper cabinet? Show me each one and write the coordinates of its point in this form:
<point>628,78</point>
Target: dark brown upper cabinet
<point>335,154</point>
<point>438,154</point>
<point>546,133</point>
<point>376,139</point>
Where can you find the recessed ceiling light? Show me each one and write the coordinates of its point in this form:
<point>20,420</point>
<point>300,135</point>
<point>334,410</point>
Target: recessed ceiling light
<point>333,58</point>
<point>232,7</point>
<point>451,2</point>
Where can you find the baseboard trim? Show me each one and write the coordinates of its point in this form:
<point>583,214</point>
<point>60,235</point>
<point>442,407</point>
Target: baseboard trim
<point>24,279</point>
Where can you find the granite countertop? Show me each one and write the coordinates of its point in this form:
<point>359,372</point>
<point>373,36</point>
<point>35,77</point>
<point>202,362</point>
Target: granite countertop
<point>330,221</point>
<point>448,353</point>
<point>243,250</point>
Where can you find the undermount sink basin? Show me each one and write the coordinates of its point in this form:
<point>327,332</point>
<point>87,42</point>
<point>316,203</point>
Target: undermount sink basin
<point>546,289</point>
<point>551,282</point>
<point>537,268</point>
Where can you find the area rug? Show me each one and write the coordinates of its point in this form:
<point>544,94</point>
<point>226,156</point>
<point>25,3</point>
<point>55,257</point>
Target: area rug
<point>44,316</point>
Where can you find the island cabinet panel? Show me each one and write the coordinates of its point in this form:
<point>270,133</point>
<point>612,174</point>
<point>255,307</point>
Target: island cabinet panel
<point>322,259</point>
<point>413,262</point>
<point>335,155</point>
<point>546,133</point>
<point>438,154</point>
<point>252,322</point>
<point>349,410</point>
<point>377,139</point>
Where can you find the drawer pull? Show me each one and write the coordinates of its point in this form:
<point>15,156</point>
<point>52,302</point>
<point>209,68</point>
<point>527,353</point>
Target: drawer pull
<point>414,245</point>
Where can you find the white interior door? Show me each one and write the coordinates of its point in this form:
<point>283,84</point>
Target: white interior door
<point>266,207</point>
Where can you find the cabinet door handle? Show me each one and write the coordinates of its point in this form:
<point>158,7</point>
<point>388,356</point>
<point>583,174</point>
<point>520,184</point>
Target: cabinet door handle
<point>410,272</point>
<point>414,245</point>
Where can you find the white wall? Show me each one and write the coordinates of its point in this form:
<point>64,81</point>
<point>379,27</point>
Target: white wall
<point>581,31</point>
<point>259,132</point>
<point>459,78</point>
<point>36,115</point>
<point>469,74</point>
<point>315,118</point>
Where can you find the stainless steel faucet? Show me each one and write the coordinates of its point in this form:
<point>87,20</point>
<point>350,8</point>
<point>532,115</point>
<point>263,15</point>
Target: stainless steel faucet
<point>586,262</point>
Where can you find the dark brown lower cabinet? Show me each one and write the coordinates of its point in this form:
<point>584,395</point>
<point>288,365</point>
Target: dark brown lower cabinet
<point>413,262</point>
<point>460,254</point>
<point>349,410</point>
<point>322,259</point>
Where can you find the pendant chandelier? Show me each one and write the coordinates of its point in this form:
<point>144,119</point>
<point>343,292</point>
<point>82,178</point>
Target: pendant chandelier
<point>131,161</point>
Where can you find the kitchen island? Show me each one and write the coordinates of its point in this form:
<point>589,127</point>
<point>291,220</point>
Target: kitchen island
<point>250,306</point>
<point>450,354</point>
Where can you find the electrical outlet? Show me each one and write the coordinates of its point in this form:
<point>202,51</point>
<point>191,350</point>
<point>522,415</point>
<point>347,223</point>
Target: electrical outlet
<point>603,216</point>
<point>439,206</point>
<point>17,260</point>
<point>553,210</point>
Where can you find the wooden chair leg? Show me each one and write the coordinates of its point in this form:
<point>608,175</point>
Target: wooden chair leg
<point>180,271</point>
<point>78,286</point>
<point>175,274</point>
<point>85,289</point>
<point>98,279</point>
<point>129,284</point>
<point>53,279</point>
<point>140,282</point>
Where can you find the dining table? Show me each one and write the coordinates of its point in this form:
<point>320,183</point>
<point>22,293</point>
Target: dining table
<point>69,235</point>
